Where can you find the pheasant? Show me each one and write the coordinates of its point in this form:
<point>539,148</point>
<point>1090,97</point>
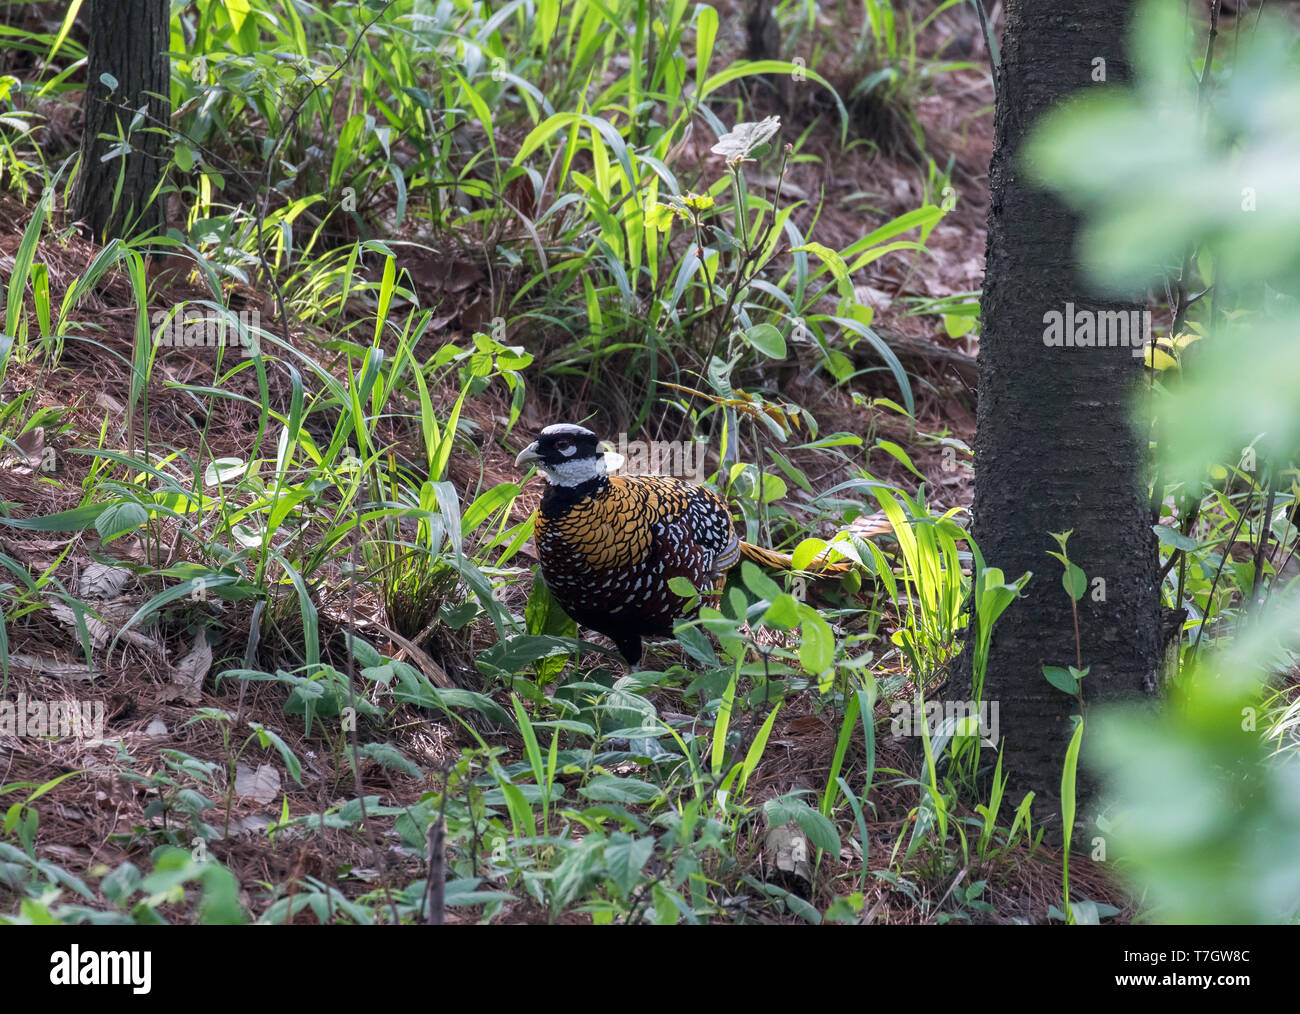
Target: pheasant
<point>609,545</point>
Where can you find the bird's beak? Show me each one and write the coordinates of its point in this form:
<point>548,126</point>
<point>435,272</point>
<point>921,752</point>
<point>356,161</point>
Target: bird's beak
<point>528,454</point>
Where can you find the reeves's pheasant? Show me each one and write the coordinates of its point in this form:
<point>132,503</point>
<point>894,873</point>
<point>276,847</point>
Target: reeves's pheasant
<point>609,545</point>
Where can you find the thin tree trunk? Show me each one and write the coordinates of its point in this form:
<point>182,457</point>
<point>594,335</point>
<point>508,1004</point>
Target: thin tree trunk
<point>1054,448</point>
<point>129,40</point>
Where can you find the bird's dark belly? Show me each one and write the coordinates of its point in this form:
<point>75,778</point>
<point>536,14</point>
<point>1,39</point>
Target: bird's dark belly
<point>617,600</point>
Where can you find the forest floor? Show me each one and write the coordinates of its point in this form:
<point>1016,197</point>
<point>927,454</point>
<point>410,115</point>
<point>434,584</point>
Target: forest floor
<point>124,790</point>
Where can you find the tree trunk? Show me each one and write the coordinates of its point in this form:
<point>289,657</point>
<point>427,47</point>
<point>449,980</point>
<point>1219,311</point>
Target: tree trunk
<point>129,40</point>
<point>1054,448</point>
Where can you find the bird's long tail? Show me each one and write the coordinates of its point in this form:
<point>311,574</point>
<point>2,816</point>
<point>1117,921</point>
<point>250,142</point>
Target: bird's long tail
<point>783,561</point>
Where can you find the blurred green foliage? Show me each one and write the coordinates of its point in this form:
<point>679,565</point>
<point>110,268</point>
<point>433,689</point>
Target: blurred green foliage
<point>1172,166</point>
<point>1195,165</point>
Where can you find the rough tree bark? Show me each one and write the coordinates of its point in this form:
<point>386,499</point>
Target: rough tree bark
<point>129,40</point>
<point>1054,449</point>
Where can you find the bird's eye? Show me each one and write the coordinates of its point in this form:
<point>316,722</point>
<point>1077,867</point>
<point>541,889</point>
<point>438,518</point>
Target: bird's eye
<point>564,445</point>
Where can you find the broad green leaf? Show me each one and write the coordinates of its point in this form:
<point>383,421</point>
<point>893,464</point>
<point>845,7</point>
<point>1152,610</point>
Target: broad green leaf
<point>1061,679</point>
<point>625,857</point>
<point>120,519</point>
<point>1074,581</point>
<point>759,583</point>
<point>767,339</point>
<point>817,645</point>
<point>1173,538</point>
<point>611,789</point>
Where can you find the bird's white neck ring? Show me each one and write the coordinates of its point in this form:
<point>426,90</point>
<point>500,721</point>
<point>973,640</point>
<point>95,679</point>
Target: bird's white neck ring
<point>574,473</point>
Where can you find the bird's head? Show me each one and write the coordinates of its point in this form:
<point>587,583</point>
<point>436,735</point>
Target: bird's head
<point>567,455</point>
